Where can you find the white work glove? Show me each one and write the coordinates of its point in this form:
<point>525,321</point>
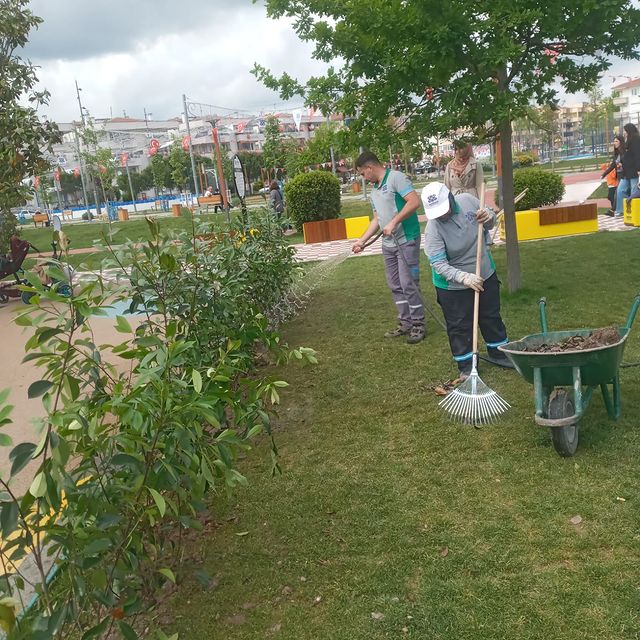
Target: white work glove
<point>470,280</point>
<point>483,215</point>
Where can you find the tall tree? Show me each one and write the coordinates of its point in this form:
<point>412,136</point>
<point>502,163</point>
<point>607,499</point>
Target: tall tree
<point>272,151</point>
<point>24,137</point>
<point>444,66</point>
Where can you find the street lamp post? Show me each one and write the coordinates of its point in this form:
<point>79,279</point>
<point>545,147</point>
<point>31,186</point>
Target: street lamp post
<point>84,124</point>
<point>193,162</point>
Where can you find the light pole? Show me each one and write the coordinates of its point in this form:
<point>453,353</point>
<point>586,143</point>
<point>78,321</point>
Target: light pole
<point>193,162</point>
<point>84,124</point>
<point>146,120</point>
<point>124,161</point>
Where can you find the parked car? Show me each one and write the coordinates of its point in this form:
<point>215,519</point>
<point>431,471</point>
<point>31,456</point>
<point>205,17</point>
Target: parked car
<point>25,213</point>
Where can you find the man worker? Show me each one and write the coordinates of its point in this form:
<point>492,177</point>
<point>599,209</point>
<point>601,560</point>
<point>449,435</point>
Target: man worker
<point>395,203</point>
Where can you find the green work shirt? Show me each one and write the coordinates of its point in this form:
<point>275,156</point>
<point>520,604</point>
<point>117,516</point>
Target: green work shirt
<point>387,199</point>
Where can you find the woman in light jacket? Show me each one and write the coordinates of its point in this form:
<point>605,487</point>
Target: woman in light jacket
<point>464,173</point>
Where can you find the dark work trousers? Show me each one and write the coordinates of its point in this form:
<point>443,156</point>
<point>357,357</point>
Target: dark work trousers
<point>404,281</point>
<point>612,197</point>
<point>457,307</point>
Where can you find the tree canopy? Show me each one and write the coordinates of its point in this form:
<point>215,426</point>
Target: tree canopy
<point>427,67</point>
<point>24,137</point>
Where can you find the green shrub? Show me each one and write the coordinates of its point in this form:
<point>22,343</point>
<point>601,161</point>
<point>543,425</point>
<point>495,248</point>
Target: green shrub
<point>257,185</point>
<point>137,437</point>
<point>313,196</point>
<point>544,188</point>
<point>525,159</point>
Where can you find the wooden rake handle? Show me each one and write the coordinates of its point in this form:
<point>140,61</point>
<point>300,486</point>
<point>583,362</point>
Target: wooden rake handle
<point>476,297</point>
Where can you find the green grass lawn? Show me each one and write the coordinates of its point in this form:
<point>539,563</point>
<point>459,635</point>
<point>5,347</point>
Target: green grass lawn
<point>136,230</point>
<point>579,164</point>
<point>385,507</point>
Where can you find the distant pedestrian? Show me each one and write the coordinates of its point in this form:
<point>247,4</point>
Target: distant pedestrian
<point>276,200</point>
<point>395,204</point>
<point>613,172</point>
<point>464,173</point>
<point>630,166</point>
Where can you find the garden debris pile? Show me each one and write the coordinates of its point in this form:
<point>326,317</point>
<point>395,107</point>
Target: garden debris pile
<point>597,338</point>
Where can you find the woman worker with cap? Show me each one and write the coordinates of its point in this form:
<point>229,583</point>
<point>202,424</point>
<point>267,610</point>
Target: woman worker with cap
<point>450,244</point>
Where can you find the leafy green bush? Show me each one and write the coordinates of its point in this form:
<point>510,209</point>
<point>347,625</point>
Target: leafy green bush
<point>544,188</point>
<point>524,159</point>
<point>313,196</point>
<point>138,436</point>
<point>257,185</point>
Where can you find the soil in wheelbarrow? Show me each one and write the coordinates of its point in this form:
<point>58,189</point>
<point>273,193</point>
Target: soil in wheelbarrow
<point>597,338</point>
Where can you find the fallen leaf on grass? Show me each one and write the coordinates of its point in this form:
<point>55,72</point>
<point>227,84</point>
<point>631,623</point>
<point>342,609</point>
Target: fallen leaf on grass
<point>377,616</point>
<point>405,629</point>
<point>444,388</point>
<point>276,628</point>
<point>444,552</point>
<point>619,499</point>
<point>286,590</point>
<point>317,600</point>
<point>242,533</point>
<point>237,619</point>
<point>576,520</point>
<point>249,605</point>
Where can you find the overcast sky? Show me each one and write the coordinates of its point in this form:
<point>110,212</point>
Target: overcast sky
<point>138,54</point>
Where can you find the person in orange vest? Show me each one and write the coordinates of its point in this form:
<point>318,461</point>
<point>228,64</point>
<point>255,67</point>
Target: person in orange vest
<point>612,173</point>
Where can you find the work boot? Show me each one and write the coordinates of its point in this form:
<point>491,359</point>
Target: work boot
<point>499,359</point>
<point>416,335</point>
<point>397,332</point>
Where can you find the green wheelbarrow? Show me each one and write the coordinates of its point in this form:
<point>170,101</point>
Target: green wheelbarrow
<point>564,381</point>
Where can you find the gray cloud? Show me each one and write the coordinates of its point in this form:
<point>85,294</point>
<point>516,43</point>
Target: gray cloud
<point>77,29</point>
<point>139,54</point>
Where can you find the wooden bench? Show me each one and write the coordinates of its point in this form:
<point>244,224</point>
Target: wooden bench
<point>211,201</point>
<point>42,218</point>
<point>67,214</point>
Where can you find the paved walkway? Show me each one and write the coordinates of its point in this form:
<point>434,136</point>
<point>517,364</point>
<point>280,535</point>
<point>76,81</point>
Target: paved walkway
<point>326,250</point>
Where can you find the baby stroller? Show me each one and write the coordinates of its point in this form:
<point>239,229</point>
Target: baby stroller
<point>62,288</point>
<point>11,268</point>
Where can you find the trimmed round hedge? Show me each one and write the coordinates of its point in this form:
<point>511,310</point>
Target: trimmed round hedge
<point>312,196</point>
<point>545,188</point>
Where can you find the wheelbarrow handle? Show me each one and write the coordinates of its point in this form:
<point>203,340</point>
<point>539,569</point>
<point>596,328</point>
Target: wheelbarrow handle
<point>542,305</point>
<point>632,313</point>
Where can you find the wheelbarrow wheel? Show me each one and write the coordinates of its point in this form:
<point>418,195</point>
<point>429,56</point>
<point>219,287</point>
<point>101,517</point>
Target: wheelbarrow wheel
<point>565,439</point>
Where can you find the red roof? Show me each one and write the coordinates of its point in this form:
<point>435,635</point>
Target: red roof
<point>627,85</point>
<point>126,120</point>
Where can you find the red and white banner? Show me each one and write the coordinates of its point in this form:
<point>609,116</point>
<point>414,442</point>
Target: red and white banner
<point>124,157</point>
<point>185,142</point>
<point>76,172</point>
<point>56,175</point>
<point>214,135</point>
<point>36,182</point>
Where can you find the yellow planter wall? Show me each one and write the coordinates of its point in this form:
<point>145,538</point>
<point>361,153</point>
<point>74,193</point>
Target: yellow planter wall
<point>529,227</point>
<point>632,212</point>
<point>356,226</point>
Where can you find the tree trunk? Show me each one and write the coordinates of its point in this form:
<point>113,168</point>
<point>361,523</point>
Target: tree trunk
<point>513,250</point>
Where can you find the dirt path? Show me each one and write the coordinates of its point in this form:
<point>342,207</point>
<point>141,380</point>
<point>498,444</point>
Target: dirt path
<point>17,376</point>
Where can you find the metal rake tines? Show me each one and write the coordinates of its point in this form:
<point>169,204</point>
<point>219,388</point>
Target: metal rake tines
<point>474,403</point>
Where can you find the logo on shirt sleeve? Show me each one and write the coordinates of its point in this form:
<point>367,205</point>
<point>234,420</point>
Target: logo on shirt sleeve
<point>470,216</point>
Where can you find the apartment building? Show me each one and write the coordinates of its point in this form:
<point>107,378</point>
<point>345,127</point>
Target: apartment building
<point>626,98</point>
